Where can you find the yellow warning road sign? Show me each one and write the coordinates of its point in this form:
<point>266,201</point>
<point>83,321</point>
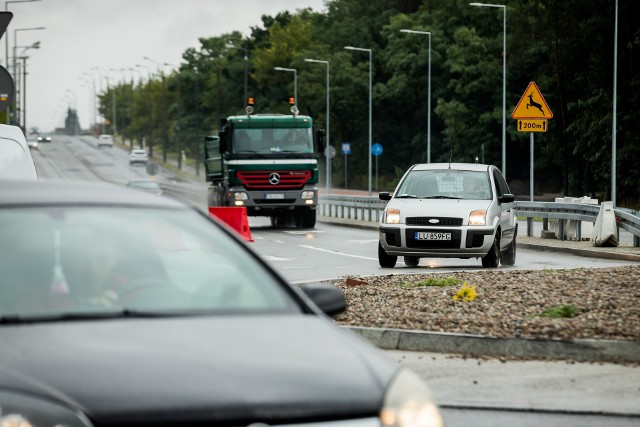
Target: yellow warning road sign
<point>532,125</point>
<point>532,105</point>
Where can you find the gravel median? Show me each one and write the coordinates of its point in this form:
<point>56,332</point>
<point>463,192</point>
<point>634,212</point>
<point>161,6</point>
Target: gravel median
<point>553,304</point>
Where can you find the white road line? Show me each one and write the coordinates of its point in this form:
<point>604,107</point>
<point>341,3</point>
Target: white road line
<point>337,253</point>
<point>304,232</point>
<point>275,258</point>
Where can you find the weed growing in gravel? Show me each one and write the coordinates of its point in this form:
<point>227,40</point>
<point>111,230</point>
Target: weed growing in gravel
<point>433,281</point>
<point>466,293</point>
<point>560,312</point>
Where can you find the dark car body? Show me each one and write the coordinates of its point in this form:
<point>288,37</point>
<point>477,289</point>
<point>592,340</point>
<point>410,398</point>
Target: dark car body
<point>144,365</point>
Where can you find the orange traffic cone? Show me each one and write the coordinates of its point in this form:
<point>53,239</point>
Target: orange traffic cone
<point>234,216</point>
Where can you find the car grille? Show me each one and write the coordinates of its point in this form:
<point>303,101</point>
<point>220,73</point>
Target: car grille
<point>442,221</point>
<point>454,243</point>
<point>259,180</point>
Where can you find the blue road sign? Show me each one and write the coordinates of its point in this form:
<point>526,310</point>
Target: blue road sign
<point>346,148</point>
<point>376,149</point>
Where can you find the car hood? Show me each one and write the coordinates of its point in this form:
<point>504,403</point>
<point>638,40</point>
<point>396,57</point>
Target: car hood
<point>454,208</point>
<point>232,368</point>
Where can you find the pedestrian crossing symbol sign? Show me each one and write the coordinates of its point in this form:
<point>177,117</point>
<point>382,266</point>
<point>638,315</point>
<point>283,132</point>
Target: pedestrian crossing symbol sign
<point>532,105</point>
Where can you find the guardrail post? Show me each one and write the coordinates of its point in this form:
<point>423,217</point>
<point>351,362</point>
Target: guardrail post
<point>636,241</point>
<point>545,224</point>
<point>579,231</point>
<point>529,226</point>
<point>561,223</point>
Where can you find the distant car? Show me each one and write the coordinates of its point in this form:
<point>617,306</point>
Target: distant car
<point>443,210</point>
<point>44,139</point>
<point>147,185</point>
<point>33,143</point>
<point>119,308</point>
<point>138,156</point>
<point>16,162</point>
<point>105,140</point>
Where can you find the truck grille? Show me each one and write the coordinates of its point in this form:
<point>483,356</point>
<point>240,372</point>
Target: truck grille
<point>268,180</point>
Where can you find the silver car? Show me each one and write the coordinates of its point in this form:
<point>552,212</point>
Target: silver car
<point>443,210</point>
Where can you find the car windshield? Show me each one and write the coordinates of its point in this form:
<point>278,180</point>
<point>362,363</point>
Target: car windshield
<point>445,183</point>
<point>269,141</point>
<point>95,260</point>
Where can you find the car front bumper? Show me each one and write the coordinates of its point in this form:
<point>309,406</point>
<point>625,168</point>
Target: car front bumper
<point>465,242</point>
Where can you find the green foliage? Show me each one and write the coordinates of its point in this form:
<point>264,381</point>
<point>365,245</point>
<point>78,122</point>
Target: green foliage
<point>433,281</point>
<point>564,46</point>
<point>560,312</point>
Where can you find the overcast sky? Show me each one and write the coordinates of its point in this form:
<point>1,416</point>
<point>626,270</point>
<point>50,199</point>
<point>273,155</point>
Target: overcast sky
<point>83,34</point>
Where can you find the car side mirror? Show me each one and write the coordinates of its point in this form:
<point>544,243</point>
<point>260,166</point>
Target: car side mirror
<point>506,198</point>
<point>384,195</point>
<point>328,298</point>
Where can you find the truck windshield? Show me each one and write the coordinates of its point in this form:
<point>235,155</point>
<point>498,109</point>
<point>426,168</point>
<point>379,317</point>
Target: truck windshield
<point>272,141</point>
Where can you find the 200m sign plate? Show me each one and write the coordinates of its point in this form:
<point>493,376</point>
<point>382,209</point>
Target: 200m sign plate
<point>424,235</point>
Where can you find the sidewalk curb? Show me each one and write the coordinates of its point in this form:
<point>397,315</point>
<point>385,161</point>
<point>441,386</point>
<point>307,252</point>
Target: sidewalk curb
<point>478,345</point>
<point>587,253</point>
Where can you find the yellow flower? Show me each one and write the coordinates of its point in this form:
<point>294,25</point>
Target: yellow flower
<point>466,293</point>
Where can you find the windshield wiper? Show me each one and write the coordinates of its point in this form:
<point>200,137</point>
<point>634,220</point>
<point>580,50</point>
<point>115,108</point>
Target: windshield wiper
<point>407,196</point>
<point>64,317</point>
<point>441,197</point>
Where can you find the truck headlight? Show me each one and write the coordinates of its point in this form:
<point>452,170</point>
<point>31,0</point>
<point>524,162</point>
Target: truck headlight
<point>478,217</point>
<point>392,216</point>
<point>408,403</point>
<point>25,411</point>
<point>308,195</point>
<point>241,195</point>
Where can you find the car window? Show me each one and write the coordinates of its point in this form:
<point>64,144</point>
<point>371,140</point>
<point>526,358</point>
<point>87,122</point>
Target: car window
<point>501,185</point>
<point>70,260</point>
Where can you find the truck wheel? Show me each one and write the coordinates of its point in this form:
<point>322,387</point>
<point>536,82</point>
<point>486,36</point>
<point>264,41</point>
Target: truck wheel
<point>309,219</point>
<point>386,261</point>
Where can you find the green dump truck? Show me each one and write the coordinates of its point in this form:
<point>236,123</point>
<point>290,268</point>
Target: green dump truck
<point>268,164</point>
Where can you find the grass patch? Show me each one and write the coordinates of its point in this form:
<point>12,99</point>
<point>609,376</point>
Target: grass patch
<point>433,281</point>
<point>560,312</point>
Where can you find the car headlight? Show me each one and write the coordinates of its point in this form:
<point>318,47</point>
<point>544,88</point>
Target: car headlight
<point>240,196</point>
<point>392,216</point>
<point>478,217</point>
<point>408,403</point>
<point>19,410</point>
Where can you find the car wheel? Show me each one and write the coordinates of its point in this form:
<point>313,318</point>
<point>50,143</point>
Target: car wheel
<point>411,261</point>
<point>386,261</point>
<point>508,256</point>
<point>492,259</point>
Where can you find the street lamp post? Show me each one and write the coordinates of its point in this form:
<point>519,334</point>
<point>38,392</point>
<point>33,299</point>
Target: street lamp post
<point>6,39</point>
<point>370,104</point>
<point>429,92</point>
<point>16,103</point>
<point>328,133</point>
<point>504,81</point>
<point>615,95</point>
<point>17,118</point>
<point>246,67</point>
<point>295,81</point>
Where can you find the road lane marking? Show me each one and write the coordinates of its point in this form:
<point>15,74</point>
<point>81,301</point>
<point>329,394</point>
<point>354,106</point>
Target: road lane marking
<point>337,253</point>
<point>275,258</point>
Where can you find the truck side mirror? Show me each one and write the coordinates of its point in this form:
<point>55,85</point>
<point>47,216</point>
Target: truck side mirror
<point>320,140</point>
<point>224,136</point>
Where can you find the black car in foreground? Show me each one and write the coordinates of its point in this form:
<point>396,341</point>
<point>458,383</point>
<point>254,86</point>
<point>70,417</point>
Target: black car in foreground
<point>121,308</point>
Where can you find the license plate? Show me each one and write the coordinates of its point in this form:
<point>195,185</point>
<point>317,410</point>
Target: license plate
<point>425,235</point>
<point>274,196</point>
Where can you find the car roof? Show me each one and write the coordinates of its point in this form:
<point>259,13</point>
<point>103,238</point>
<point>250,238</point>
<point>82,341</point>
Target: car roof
<point>77,193</point>
<point>453,166</point>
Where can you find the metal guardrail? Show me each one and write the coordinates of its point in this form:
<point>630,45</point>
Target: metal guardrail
<point>369,208</point>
